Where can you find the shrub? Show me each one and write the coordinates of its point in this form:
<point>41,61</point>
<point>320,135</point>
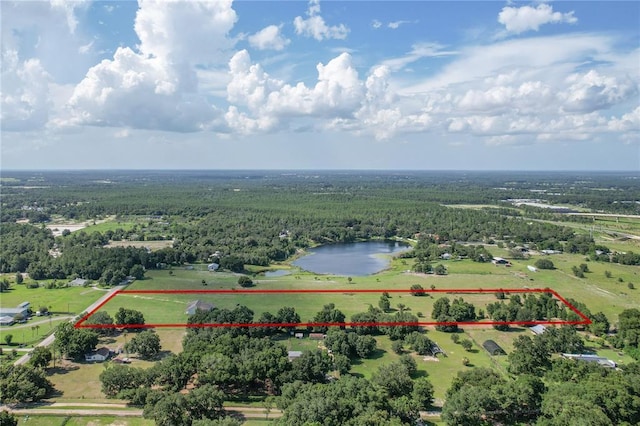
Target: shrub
<point>544,264</point>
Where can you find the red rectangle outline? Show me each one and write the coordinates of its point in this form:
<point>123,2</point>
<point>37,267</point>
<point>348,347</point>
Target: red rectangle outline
<point>585,320</point>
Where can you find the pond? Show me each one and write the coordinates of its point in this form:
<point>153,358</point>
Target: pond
<point>351,259</point>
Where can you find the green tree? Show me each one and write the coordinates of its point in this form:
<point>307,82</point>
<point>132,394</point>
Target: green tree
<point>530,356</point>
<point>137,271</point>
<point>441,308</point>
<point>126,316</point>
<point>101,318</point>
<point>423,393</point>
<point>19,278</point>
<point>384,304</point>
<point>23,383</point>
<point>124,377</point>
<point>544,264</point>
<point>146,344</point>
<point>245,281</point>
<point>394,378</point>
<point>40,357</point>
<point>417,290</point>
<point>8,338</point>
<point>4,285</point>
<point>8,419</point>
<point>74,343</point>
<point>466,344</point>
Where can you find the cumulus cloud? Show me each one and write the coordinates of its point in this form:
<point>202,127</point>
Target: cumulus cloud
<point>157,87</point>
<point>376,24</point>
<point>338,92</point>
<point>269,38</point>
<point>526,18</point>
<point>193,32</point>
<point>315,26</point>
<point>593,91</point>
<point>25,93</point>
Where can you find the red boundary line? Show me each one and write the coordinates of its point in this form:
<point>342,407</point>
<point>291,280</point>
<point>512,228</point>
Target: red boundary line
<point>585,319</point>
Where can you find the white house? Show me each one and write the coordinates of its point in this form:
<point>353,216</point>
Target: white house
<point>213,267</point>
<point>99,355</point>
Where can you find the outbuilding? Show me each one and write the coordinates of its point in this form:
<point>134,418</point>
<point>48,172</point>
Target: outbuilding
<point>493,348</point>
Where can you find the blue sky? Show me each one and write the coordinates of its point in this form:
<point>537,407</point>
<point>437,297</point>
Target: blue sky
<point>320,85</point>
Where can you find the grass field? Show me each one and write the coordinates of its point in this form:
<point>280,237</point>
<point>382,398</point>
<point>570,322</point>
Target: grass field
<point>59,300</point>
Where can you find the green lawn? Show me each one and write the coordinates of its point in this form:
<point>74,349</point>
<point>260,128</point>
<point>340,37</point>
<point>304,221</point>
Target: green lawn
<point>60,300</point>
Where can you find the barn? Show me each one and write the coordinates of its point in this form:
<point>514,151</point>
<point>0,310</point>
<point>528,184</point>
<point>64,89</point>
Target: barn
<point>493,348</point>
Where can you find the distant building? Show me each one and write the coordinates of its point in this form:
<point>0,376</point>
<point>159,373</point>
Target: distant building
<point>500,261</point>
<point>538,329</point>
<point>198,305</point>
<point>316,336</point>
<point>493,348</point>
<point>212,267</point>
<point>6,320</point>
<point>99,355</point>
<point>550,251</point>
<point>78,282</point>
<point>592,358</point>
<point>22,309</point>
<point>445,256</point>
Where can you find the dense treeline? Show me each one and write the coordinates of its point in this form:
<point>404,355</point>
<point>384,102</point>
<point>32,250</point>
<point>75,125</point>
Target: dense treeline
<point>260,218</point>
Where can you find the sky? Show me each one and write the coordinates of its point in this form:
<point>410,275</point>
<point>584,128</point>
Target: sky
<point>417,85</point>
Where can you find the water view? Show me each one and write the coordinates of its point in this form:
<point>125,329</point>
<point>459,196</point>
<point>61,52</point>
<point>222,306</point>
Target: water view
<point>351,259</point>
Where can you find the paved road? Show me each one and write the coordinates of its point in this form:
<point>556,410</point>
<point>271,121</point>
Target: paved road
<point>49,339</point>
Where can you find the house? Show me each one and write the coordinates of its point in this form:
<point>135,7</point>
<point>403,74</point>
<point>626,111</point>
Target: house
<point>22,309</point>
<point>212,267</point>
<point>98,355</point>
<point>78,282</point>
<point>316,336</point>
<point>198,305</point>
<point>293,355</point>
<point>538,329</point>
<point>592,358</point>
<point>6,320</point>
<point>299,335</point>
<point>493,348</point>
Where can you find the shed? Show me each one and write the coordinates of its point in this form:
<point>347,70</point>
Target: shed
<point>316,336</point>
<point>538,329</point>
<point>493,348</point>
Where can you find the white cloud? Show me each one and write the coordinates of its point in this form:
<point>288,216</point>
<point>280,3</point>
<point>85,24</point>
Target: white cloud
<point>592,91</point>
<point>269,38</point>
<point>194,32</point>
<point>526,18</point>
<point>25,93</point>
<point>157,87</point>
<point>418,51</point>
<point>315,26</point>
<point>376,24</point>
<point>394,25</point>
